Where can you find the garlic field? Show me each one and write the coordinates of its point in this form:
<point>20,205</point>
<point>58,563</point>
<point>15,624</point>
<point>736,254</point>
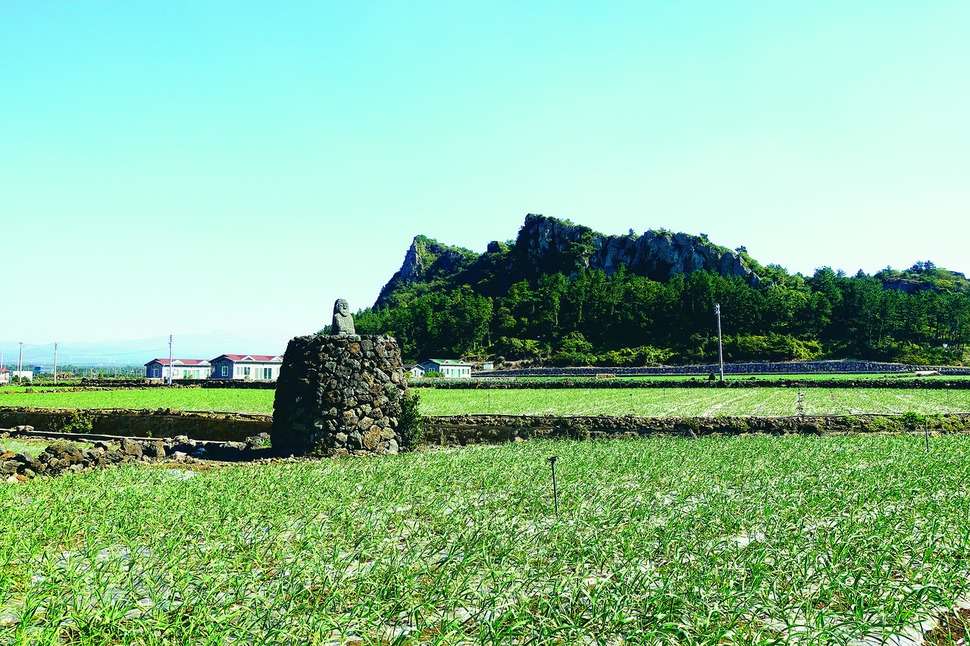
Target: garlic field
<point>749,540</point>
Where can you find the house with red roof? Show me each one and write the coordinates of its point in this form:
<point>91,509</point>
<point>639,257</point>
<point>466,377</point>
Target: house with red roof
<point>180,368</point>
<point>4,376</point>
<point>247,367</point>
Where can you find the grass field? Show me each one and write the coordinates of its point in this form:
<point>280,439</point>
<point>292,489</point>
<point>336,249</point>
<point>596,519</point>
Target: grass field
<point>692,402</point>
<point>196,399</point>
<point>578,401</point>
<point>746,540</point>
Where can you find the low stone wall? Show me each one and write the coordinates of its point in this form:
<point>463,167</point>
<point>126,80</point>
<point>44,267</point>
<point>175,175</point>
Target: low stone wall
<point>223,427</point>
<point>749,368</point>
<point>463,430</point>
<point>63,455</point>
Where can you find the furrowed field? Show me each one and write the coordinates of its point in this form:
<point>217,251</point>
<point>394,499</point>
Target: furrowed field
<point>680,402</point>
<point>747,540</point>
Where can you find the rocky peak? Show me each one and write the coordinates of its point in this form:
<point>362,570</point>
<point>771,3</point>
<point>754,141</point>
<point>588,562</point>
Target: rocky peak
<point>547,245</point>
<point>426,259</point>
<point>555,245</point>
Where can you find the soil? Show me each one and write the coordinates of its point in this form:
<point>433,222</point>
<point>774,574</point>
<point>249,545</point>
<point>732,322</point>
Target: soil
<point>954,629</point>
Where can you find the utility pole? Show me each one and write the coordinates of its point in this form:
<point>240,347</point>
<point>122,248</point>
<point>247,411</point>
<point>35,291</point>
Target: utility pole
<point>55,364</point>
<point>20,363</point>
<point>171,367</point>
<point>720,346</point>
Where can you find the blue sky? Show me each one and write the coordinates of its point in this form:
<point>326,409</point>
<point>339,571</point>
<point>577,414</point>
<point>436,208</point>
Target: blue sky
<point>185,167</point>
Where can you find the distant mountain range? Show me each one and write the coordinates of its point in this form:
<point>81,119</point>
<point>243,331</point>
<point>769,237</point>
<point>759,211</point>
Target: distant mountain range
<point>135,352</point>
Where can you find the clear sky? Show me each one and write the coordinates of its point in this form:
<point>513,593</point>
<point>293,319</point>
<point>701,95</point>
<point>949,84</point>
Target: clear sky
<point>183,167</point>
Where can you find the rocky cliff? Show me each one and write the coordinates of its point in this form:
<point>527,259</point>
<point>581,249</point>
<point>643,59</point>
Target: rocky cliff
<point>659,255</point>
<point>426,260</point>
<point>547,245</point>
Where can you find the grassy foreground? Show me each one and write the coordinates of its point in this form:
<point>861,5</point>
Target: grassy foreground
<point>677,402</point>
<point>752,539</point>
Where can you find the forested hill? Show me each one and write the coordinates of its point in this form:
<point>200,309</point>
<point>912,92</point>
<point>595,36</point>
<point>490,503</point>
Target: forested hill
<point>548,246</point>
<point>563,294</point>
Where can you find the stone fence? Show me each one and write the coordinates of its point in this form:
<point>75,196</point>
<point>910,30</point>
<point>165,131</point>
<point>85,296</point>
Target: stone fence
<point>223,427</point>
<point>751,368</point>
<point>463,430</point>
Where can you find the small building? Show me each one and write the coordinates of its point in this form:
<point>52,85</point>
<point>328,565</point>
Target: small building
<point>23,375</point>
<point>4,376</point>
<point>181,369</point>
<point>449,368</point>
<point>247,367</point>
<point>415,370</point>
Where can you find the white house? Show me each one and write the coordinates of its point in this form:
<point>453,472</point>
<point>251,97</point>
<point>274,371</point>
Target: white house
<point>247,367</point>
<point>449,368</point>
<point>181,369</point>
<point>4,376</point>
<point>414,370</point>
<point>23,375</point>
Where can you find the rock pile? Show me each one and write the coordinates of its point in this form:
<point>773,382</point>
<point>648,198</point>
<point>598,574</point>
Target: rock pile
<point>339,395</point>
<point>64,457</point>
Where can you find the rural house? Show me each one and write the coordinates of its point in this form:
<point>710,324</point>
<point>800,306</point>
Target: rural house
<point>449,368</point>
<point>4,376</point>
<point>414,370</point>
<point>181,369</point>
<point>247,367</point>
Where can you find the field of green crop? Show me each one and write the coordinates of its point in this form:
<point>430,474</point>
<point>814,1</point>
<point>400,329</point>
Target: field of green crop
<point>194,399</point>
<point>742,540</point>
<point>691,402</point>
<point>575,401</point>
<point>876,400</point>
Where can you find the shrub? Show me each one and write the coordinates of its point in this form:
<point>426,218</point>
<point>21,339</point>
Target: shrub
<point>411,423</point>
<point>771,347</point>
<point>644,355</point>
<point>77,422</point>
<point>911,420</point>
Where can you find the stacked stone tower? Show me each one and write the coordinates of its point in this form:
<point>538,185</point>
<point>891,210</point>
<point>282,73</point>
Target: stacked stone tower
<point>339,394</point>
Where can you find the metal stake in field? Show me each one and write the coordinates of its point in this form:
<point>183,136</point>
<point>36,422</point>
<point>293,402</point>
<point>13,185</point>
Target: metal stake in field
<point>926,432</point>
<point>720,347</point>
<point>555,492</point>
